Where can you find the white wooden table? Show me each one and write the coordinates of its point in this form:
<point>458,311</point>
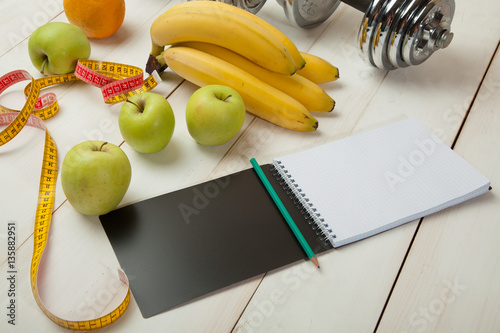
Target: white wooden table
<point>441,274</point>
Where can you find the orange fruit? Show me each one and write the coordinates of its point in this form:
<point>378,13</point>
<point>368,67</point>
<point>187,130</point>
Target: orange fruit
<point>97,18</point>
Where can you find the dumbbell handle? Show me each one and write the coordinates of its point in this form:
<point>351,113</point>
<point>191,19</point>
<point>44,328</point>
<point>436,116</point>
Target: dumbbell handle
<point>361,5</point>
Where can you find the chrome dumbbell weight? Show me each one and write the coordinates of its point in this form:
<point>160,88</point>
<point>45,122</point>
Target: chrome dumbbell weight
<point>396,34</point>
<point>393,33</point>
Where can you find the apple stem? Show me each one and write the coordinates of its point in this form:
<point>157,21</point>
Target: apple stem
<point>43,65</point>
<point>100,148</point>
<point>226,98</point>
<point>141,109</point>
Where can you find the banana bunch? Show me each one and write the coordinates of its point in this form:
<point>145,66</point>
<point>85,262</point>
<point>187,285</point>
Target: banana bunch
<point>309,94</point>
<point>216,43</point>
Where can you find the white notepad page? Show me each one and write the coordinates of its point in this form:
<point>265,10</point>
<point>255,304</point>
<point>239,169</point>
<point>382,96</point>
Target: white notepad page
<point>375,181</point>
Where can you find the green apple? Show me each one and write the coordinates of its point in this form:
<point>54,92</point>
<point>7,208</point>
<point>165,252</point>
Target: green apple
<point>55,47</point>
<point>95,176</point>
<point>146,122</point>
<point>214,114</point>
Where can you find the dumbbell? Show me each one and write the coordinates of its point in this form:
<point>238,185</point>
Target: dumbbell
<point>393,33</point>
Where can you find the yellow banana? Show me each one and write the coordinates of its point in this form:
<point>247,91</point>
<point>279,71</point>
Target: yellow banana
<point>221,27</point>
<point>318,70</point>
<point>291,47</point>
<point>260,99</point>
<point>309,94</point>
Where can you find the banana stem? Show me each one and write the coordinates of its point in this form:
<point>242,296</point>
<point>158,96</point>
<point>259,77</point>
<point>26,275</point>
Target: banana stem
<point>155,60</point>
<point>156,49</point>
<point>161,60</point>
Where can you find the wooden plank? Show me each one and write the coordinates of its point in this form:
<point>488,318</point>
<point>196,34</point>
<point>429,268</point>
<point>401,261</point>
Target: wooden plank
<point>20,20</point>
<point>450,279</point>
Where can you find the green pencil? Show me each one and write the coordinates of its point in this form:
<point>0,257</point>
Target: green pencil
<point>285,213</point>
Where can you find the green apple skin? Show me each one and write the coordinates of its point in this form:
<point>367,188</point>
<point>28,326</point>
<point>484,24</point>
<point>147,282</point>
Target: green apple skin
<point>95,176</point>
<point>146,122</point>
<point>214,114</point>
<point>55,47</point>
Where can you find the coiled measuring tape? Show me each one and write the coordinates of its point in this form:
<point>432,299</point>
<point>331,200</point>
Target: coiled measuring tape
<point>117,83</point>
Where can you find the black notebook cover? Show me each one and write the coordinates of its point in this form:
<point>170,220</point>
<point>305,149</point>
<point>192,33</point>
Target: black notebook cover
<point>185,244</point>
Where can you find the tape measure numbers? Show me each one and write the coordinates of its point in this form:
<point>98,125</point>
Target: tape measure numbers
<point>117,83</point>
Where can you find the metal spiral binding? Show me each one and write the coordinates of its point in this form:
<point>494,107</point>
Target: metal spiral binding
<point>306,208</point>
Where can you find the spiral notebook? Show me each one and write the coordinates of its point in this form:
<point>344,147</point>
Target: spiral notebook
<point>187,244</point>
<point>360,186</point>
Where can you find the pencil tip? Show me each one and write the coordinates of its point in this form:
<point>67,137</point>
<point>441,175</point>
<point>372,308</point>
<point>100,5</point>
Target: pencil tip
<point>315,261</point>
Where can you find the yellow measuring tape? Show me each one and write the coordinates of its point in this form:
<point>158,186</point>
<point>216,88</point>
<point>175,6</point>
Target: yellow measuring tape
<point>117,83</point>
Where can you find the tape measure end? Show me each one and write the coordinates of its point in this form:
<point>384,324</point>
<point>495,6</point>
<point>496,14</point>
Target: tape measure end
<point>156,75</point>
<point>122,276</point>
